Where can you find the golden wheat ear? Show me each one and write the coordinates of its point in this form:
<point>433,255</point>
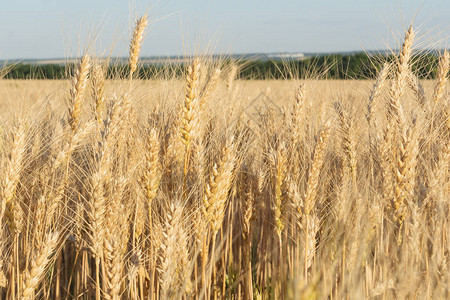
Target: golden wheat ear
<point>98,91</point>
<point>210,86</point>
<point>349,142</point>
<point>298,117</point>
<point>151,170</point>
<point>417,88</point>
<point>77,91</point>
<point>442,72</point>
<point>136,43</point>
<point>174,255</point>
<point>316,166</point>
<point>279,171</point>
<point>405,173</point>
<point>38,265</point>
<point>401,74</point>
<point>376,91</point>
<point>190,114</point>
<point>11,209</point>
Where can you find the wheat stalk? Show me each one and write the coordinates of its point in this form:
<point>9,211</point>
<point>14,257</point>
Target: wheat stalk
<point>55,197</point>
<point>248,209</point>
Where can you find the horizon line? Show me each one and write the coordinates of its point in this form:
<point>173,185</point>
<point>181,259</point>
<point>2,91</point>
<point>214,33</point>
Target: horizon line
<point>266,55</point>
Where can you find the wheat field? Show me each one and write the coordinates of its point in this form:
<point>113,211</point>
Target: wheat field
<point>213,187</point>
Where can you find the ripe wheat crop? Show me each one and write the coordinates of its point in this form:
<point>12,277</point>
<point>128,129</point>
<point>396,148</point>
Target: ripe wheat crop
<point>213,187</point>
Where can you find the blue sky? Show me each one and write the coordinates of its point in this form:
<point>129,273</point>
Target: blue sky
<point>63,28</point>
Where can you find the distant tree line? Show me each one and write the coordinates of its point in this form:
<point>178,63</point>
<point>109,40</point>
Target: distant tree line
<point>355,66</point>
<point>27,71</point>
<point>336,66</point>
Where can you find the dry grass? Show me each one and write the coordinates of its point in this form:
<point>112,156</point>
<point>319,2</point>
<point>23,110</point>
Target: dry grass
<point>213,187</point>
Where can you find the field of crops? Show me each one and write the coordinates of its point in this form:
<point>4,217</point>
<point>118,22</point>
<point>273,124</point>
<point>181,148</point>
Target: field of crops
<point>212,187</point>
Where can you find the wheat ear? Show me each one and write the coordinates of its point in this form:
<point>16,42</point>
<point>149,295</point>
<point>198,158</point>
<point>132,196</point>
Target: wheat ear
<point>417,88</point>
<point>10,208</point>
<point>298,113</point>
<point>279,187</point>
<point>248,203</point>
<point>33,276</point>
<point>309,217</point>
<point>136,43</point>
<point>405,173</point>
<point>210,86</point>
<point>216,190</point>
<point>151,172</point>
<point>231,77</point>
<point>376,91</point>
<point>348,140</point>
<point>401,74</point>
<point>189,120</point>
<point>313,178</point>
<point>116,239</point>
<point>173,259</point>
<point>442,72</point>
<point>98,91</point>
<point>96,205</point>
<point>113,253</point>
<point>77,91</point>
